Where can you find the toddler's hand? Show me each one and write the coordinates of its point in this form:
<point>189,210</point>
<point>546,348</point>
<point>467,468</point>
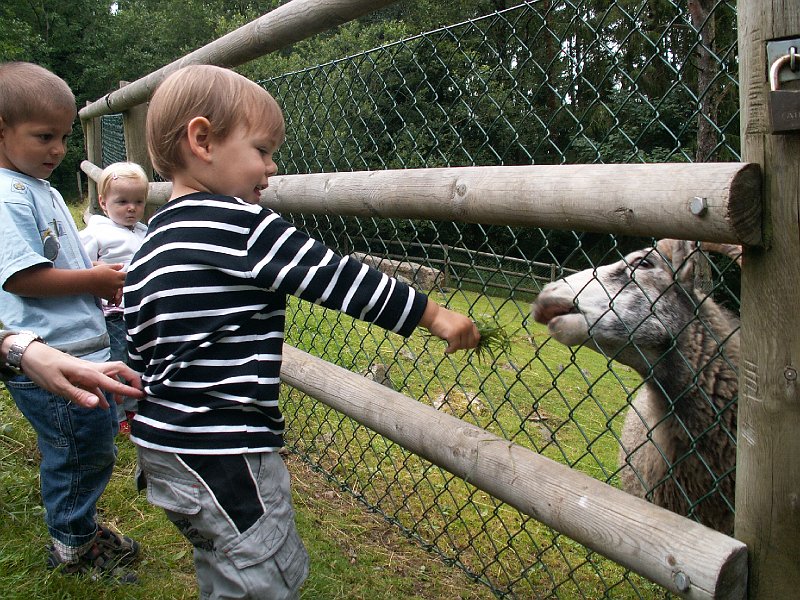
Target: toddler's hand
<point>458,331</point>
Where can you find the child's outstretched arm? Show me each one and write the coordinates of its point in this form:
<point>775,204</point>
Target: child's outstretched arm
<point>102,280</point>
<point>458,331</point>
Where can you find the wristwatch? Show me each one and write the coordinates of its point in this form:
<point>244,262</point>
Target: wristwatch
<point>18,347</point>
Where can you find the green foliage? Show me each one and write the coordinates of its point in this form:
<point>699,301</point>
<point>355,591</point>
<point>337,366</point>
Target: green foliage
<point>587,82</point>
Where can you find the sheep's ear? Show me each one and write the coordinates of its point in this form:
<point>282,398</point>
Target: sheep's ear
<point>681,255</point>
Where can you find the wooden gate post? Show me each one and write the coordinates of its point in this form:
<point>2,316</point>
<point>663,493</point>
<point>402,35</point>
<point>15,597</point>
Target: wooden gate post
<point>133,125</point>
<point>768,468</point>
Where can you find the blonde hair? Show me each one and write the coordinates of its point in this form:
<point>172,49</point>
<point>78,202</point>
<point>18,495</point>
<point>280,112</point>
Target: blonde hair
<point>226,98</point>
<point>28,91</point>
<point>120,170</point>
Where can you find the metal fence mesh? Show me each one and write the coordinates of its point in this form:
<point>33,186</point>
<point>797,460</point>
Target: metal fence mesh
<point>540,83</point>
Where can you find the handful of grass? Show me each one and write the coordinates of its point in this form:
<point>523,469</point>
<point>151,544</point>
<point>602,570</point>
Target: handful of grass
<point>494,340</point>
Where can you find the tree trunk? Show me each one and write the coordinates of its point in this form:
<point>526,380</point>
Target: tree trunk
<point>704,22</point>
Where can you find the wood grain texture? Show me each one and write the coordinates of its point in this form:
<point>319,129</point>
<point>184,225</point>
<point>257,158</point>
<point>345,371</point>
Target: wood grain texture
<point>768,469</point>
<point>651,199</point>
<point>647,200</point>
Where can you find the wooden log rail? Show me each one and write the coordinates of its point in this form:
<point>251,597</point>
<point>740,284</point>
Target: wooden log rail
<point>282,27</point>
<point>716,202</point>
<point>681,555</point>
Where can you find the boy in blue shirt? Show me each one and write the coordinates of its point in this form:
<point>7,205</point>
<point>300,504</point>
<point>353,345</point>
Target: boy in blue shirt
<point>48,284</point>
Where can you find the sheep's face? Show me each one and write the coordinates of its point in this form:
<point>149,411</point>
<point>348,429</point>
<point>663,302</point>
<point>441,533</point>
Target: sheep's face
<point>630,310</point>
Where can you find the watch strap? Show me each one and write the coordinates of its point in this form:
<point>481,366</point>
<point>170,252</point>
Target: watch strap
<point>18,347</point>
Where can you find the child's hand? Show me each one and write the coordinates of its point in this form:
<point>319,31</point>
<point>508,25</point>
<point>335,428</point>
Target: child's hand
<point>458,331</point>
<point>106,281</point>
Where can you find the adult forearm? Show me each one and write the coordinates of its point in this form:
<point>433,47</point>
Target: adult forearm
<point>78,380</point>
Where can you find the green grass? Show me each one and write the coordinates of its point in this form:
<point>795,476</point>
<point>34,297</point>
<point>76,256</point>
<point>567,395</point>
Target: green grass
<point>354,554</point>
<point>565,404</point>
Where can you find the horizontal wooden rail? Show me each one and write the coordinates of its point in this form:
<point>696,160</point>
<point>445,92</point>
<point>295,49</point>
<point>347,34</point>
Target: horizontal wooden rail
<point>287,24</point>
<point>717,202</point>
<point>679,554</point>
<point>656,200</point>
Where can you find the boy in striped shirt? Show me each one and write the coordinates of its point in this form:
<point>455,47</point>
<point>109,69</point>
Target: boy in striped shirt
<point>205,303</point>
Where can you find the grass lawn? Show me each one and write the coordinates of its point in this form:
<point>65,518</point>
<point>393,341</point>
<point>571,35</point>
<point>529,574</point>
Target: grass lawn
<point>354,554</point>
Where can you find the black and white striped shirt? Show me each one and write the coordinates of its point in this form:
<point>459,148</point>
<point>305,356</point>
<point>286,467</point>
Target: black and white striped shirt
<point>205,304</point>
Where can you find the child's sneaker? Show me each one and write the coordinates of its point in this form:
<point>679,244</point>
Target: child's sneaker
<point>124,427</point>
<point>103,560</point>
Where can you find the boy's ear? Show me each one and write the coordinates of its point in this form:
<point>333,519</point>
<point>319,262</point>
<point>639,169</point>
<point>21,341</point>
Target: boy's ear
<point>199,135</point>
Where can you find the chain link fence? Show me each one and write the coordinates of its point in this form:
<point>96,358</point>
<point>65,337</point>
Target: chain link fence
<point>539,83</point>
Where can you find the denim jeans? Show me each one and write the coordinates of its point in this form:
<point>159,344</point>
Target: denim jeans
<point>119,351</point>
<point>78,455</point>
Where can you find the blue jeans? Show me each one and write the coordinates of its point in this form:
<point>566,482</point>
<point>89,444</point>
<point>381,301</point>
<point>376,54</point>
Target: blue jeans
<point>78,455</point>
<point>119,351</point>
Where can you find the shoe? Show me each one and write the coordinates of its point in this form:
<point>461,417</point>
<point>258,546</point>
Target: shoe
<point>104,559</point>
<point>124,548</point>
<point>129,414</point>
<point>124,428</point>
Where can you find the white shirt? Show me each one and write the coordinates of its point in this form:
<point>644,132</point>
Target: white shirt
<point>110,243</point>
<point>107,242</point>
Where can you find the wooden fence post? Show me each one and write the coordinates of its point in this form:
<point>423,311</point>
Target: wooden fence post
<point>768,467</point>
<point>94,153</point>
<point>133,125</point>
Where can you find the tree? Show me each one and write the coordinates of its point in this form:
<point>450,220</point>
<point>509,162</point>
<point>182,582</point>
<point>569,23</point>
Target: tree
<point>94,44</point>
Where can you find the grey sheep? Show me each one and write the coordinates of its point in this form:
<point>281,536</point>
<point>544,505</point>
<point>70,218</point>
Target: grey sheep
<point>678,443</point>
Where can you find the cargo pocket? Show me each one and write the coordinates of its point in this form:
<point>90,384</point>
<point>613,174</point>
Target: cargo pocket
<point>174,495</point>
<point>272,537</point>
<point>292,560</point>
<point>180,500</point>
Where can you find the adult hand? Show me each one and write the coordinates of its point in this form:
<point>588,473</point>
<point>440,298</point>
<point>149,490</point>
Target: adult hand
<point>80,381</point>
